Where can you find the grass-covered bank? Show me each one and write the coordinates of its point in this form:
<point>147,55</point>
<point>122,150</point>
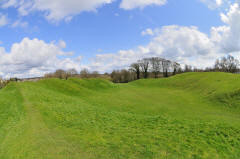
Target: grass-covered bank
<point>193,115</point>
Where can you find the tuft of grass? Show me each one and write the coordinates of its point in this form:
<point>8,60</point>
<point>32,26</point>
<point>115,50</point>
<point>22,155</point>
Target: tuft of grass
<point>192,115</point>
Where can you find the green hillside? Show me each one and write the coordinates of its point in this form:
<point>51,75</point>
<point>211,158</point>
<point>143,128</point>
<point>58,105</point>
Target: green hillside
<point>192,115</point>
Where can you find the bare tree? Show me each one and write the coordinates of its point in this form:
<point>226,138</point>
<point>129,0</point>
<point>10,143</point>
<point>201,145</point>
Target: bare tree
<point>60,74</point>
<point>71,73</point>
<point>188,68</point>
<point>217,65</point>
<point>227,64</point>
<point>115,76</point>
<point>144,64</point>
<point>166,64</point>
<point>84,73</point>
<point>2,83</point>
<point>135,67</point>
<point>232,64</point>
<point>125,76</point>
<point>95,74</point>
<point>176,66</point>
<point>155,65</point>
<point>122,76</point>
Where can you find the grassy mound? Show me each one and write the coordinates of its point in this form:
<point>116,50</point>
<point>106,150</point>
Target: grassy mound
<point>192,115</point>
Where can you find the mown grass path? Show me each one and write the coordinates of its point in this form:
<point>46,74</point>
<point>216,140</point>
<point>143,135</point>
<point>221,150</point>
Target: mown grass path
<point>193,115</point>
<point>43,141</point>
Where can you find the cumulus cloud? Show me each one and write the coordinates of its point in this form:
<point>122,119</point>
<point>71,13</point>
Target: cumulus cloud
<point>62,44</point>
<point>213,4</point>
<point>19,23</point>
<point>147,32</point>
<point>186,45</point>
<point>31,58</point>
<point>132,4</point>
<point>228,36</point>
<point>55,10</point>
<point>3,20</point>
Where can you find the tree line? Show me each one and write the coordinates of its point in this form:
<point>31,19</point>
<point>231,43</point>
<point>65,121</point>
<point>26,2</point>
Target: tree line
<point>227,64</point>
<point>65,74</point>
<point>155,67</point>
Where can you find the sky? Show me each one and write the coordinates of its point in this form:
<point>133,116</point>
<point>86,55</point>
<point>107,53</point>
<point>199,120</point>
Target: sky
<point>40,36</point>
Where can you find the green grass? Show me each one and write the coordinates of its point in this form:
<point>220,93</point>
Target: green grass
<point>192,115</point>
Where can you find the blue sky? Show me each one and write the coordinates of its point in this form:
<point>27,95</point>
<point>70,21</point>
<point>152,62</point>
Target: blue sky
<point>38,36</point>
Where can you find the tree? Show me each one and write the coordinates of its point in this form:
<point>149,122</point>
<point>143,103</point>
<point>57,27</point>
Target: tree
<point>176,66</point>
<point>144,64</point>
<point>122,76</point>
<point>188,68</point>
<point>155,63</point>
<point>71,73</point>
<point>217,65</point>
<point>115,76</point>
<point>165,66</point>
<point>135,67</point>
<point>60,74</point>
<point>95,74</point>
<point>84,73</point>
<point>125,76</point>
<point>2,83</point>
<point>227,64</point>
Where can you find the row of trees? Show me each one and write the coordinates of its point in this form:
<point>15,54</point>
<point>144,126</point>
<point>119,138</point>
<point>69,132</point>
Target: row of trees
<point>225,64</point>
<point>148,67</point>
<point>154,65</point>
<point>62,74</point>
<point>123,76</point>
<point>159,67</point>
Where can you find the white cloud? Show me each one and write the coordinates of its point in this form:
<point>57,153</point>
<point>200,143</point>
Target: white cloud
<point>132,4</point>
<point>9,3</point>
<point>213,4</point>
<point>62,44</point>
<point>228,36</point>
<point>55,10</point>
<point>219,2</point>
<point>186,45</point>
<point>19,23</point>
<point>148,32</point>
<point>31,58</point>
<point>3,20</point>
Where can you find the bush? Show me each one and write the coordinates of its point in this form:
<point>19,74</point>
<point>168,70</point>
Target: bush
<point>122,76</point>
<point>3,83</point>
<point>62,74</point>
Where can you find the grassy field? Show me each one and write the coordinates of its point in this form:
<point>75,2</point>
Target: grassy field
<point>192,115</point>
